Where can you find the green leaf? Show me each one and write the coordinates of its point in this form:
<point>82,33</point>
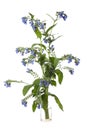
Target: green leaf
<point>26,89</point>
<point>49,70</point>
<point>38,33</point>
<point>34,106</point>
<point>50,28</point>
<point>60,75</point>
<point>41,45</point>
<point>57,101</point>
<point>35,91</point>
<point>53,82</point>
<point>54,61</point>
<point>42,59</point>
<point>36,82</point>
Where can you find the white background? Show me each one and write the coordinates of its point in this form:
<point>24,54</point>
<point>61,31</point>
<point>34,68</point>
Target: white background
<point>72,92</point>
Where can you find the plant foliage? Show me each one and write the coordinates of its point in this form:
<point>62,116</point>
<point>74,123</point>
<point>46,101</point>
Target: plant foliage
<point>44,54</point>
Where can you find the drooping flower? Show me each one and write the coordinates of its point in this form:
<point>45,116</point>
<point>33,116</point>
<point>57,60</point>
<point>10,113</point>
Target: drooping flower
<point>17,50</point>
<point>24,20</point>
<point>27,50</point>
<point>32,25</point>
<point>33,53</point>
<point>69,59</point>
<point>20,50</point>
<point>45,40</point>
<point>71,71</point>
<point>42,25</point>
<point>39,106</point>
<point>24,62</point>
<point>7,84</point>
<point>61,15</point>
<point>77,61</point>
<point>38,22</point>
<point>24,102</point>
<point>31,61</point>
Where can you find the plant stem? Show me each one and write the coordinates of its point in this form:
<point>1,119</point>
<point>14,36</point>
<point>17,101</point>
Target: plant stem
<point>41,46</point>
<point>46,110</point>
<point>46,113</point>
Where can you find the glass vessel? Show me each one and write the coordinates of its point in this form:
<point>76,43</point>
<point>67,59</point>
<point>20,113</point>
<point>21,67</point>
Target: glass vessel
<point>46,115</point>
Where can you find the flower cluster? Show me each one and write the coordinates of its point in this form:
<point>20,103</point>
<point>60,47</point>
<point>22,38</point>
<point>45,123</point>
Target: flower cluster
<point>7,83</point>
<point>61,15</point>
<point>24,103</point>
<point>44,83</point>
<point>37,24</point>
<point>70,58</point>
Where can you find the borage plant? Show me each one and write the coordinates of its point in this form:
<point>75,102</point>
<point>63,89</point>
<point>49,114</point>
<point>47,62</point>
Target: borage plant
<point>43,53</point>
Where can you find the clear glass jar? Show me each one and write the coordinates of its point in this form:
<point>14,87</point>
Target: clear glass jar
<point>46,115</point>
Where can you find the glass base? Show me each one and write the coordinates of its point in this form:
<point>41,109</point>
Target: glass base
<point>44,117</point>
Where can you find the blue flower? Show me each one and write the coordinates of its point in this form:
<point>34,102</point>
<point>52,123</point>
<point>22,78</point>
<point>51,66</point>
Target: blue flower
<point>71,71</point>
<point>31,61</point>
<point>69,59</point>
<point>46,83</point>
<point>32,25</point>
<point>77,61</point>
<point>38,22</point>
<point>62,15</point>
<point>24,62</point>
<point>27,50</point>
<point>7,84</point>
<point>24,103</point>
<point>42,25</point>
<point>45,40</point>
<point>17,50</point>
<point>31,22</point>
<point>33,53</point>
<point>24,20</point>
<point>43,83</point>
<point>39,106</point>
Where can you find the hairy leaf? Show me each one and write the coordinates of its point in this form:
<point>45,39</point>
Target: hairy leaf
<point>42,59</point>
<point>35,91</point>
<point>54,61</point>
<point>38,33</point>
<point>53,82</point>
<point>26,89</point>
<point>36,82</point>
<point>34,106</point>
<point>57,101</point>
